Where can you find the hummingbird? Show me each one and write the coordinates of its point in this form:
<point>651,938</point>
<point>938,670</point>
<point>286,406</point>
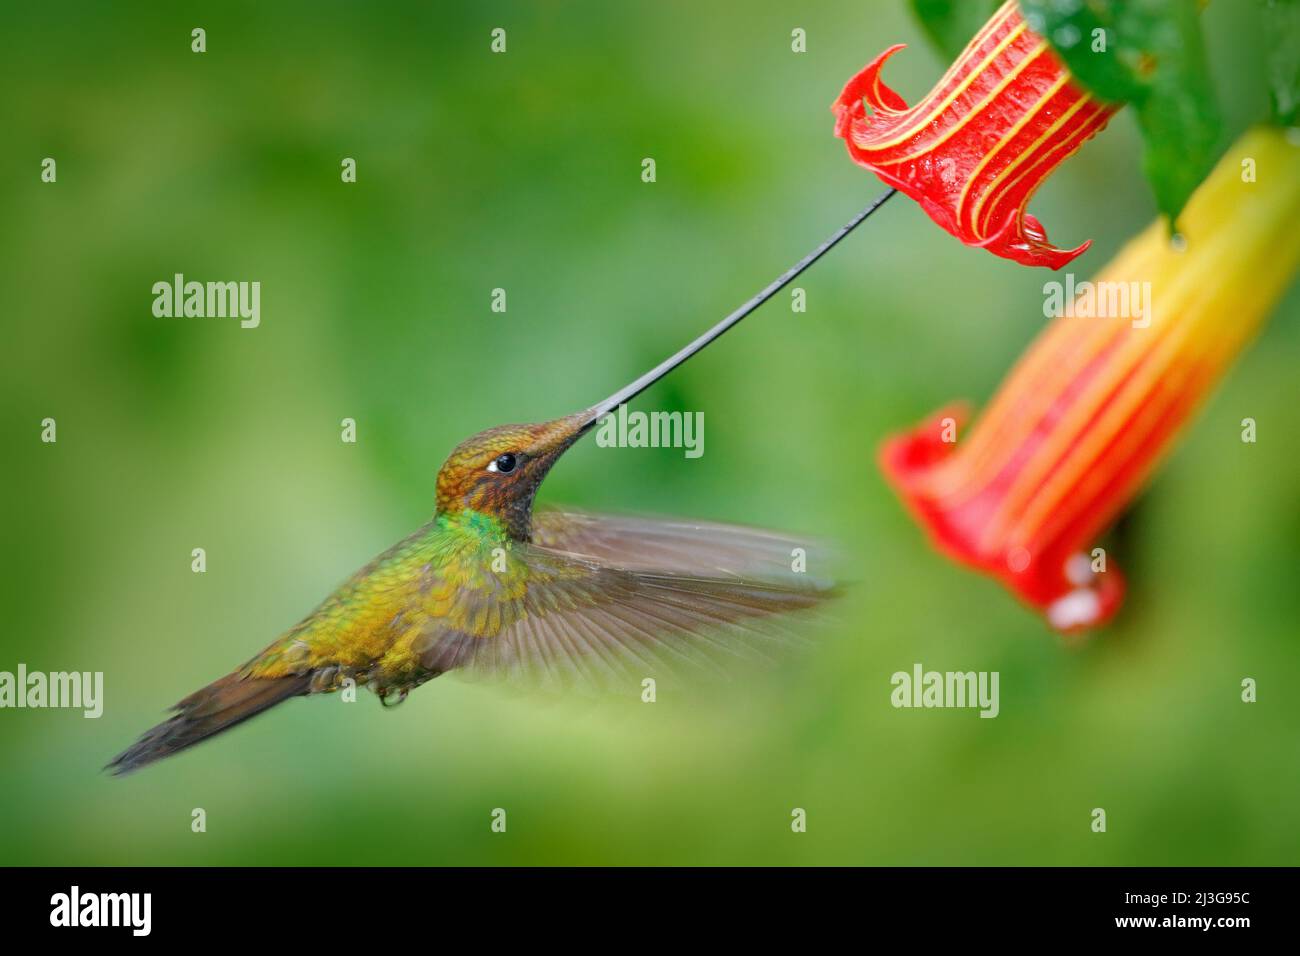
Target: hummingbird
<point>560,599</point>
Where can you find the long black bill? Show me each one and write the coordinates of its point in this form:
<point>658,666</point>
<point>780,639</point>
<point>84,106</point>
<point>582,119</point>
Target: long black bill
<point>629,392</point>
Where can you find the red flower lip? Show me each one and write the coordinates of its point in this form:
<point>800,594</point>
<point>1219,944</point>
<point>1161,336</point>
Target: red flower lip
<point>978,146</point>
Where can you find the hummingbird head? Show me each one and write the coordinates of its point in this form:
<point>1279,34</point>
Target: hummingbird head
<point>498,471</point>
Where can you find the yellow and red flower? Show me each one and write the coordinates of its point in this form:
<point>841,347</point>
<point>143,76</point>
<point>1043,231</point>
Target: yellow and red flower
<point>1090,409</point>
<point>973,151</point>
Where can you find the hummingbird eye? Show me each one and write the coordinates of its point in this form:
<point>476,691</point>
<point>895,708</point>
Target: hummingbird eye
<point>503,464</point>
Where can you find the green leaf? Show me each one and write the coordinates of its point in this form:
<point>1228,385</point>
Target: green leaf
<point>1282,27</point>
<point>1150,53</point>
<point>950,24</point>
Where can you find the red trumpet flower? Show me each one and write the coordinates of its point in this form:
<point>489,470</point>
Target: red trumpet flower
<point>1091,408</point>
<point>976,148</point>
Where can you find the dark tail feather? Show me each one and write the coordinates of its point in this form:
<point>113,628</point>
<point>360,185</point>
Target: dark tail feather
<point>217,707</point>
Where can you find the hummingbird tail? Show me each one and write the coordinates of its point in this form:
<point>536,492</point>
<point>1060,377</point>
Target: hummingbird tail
<point>207,712</point>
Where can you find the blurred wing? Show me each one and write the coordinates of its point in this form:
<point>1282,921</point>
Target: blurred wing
<point>681,547</point>
<point>579,624</point>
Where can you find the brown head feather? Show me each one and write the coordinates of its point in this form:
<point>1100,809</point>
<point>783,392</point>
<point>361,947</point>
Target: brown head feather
<point>498,471</point>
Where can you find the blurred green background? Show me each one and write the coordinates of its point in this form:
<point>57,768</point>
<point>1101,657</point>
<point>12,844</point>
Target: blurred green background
<point>522,171</point>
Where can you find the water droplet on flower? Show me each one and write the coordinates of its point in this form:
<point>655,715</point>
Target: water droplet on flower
<point>1067,36</point>
<point>1077,609</point>
<point>1078,569</point>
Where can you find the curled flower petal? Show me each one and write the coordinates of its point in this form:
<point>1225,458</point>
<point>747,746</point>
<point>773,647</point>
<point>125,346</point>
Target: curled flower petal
<point>1087,413</point>
<point>975,149</point>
